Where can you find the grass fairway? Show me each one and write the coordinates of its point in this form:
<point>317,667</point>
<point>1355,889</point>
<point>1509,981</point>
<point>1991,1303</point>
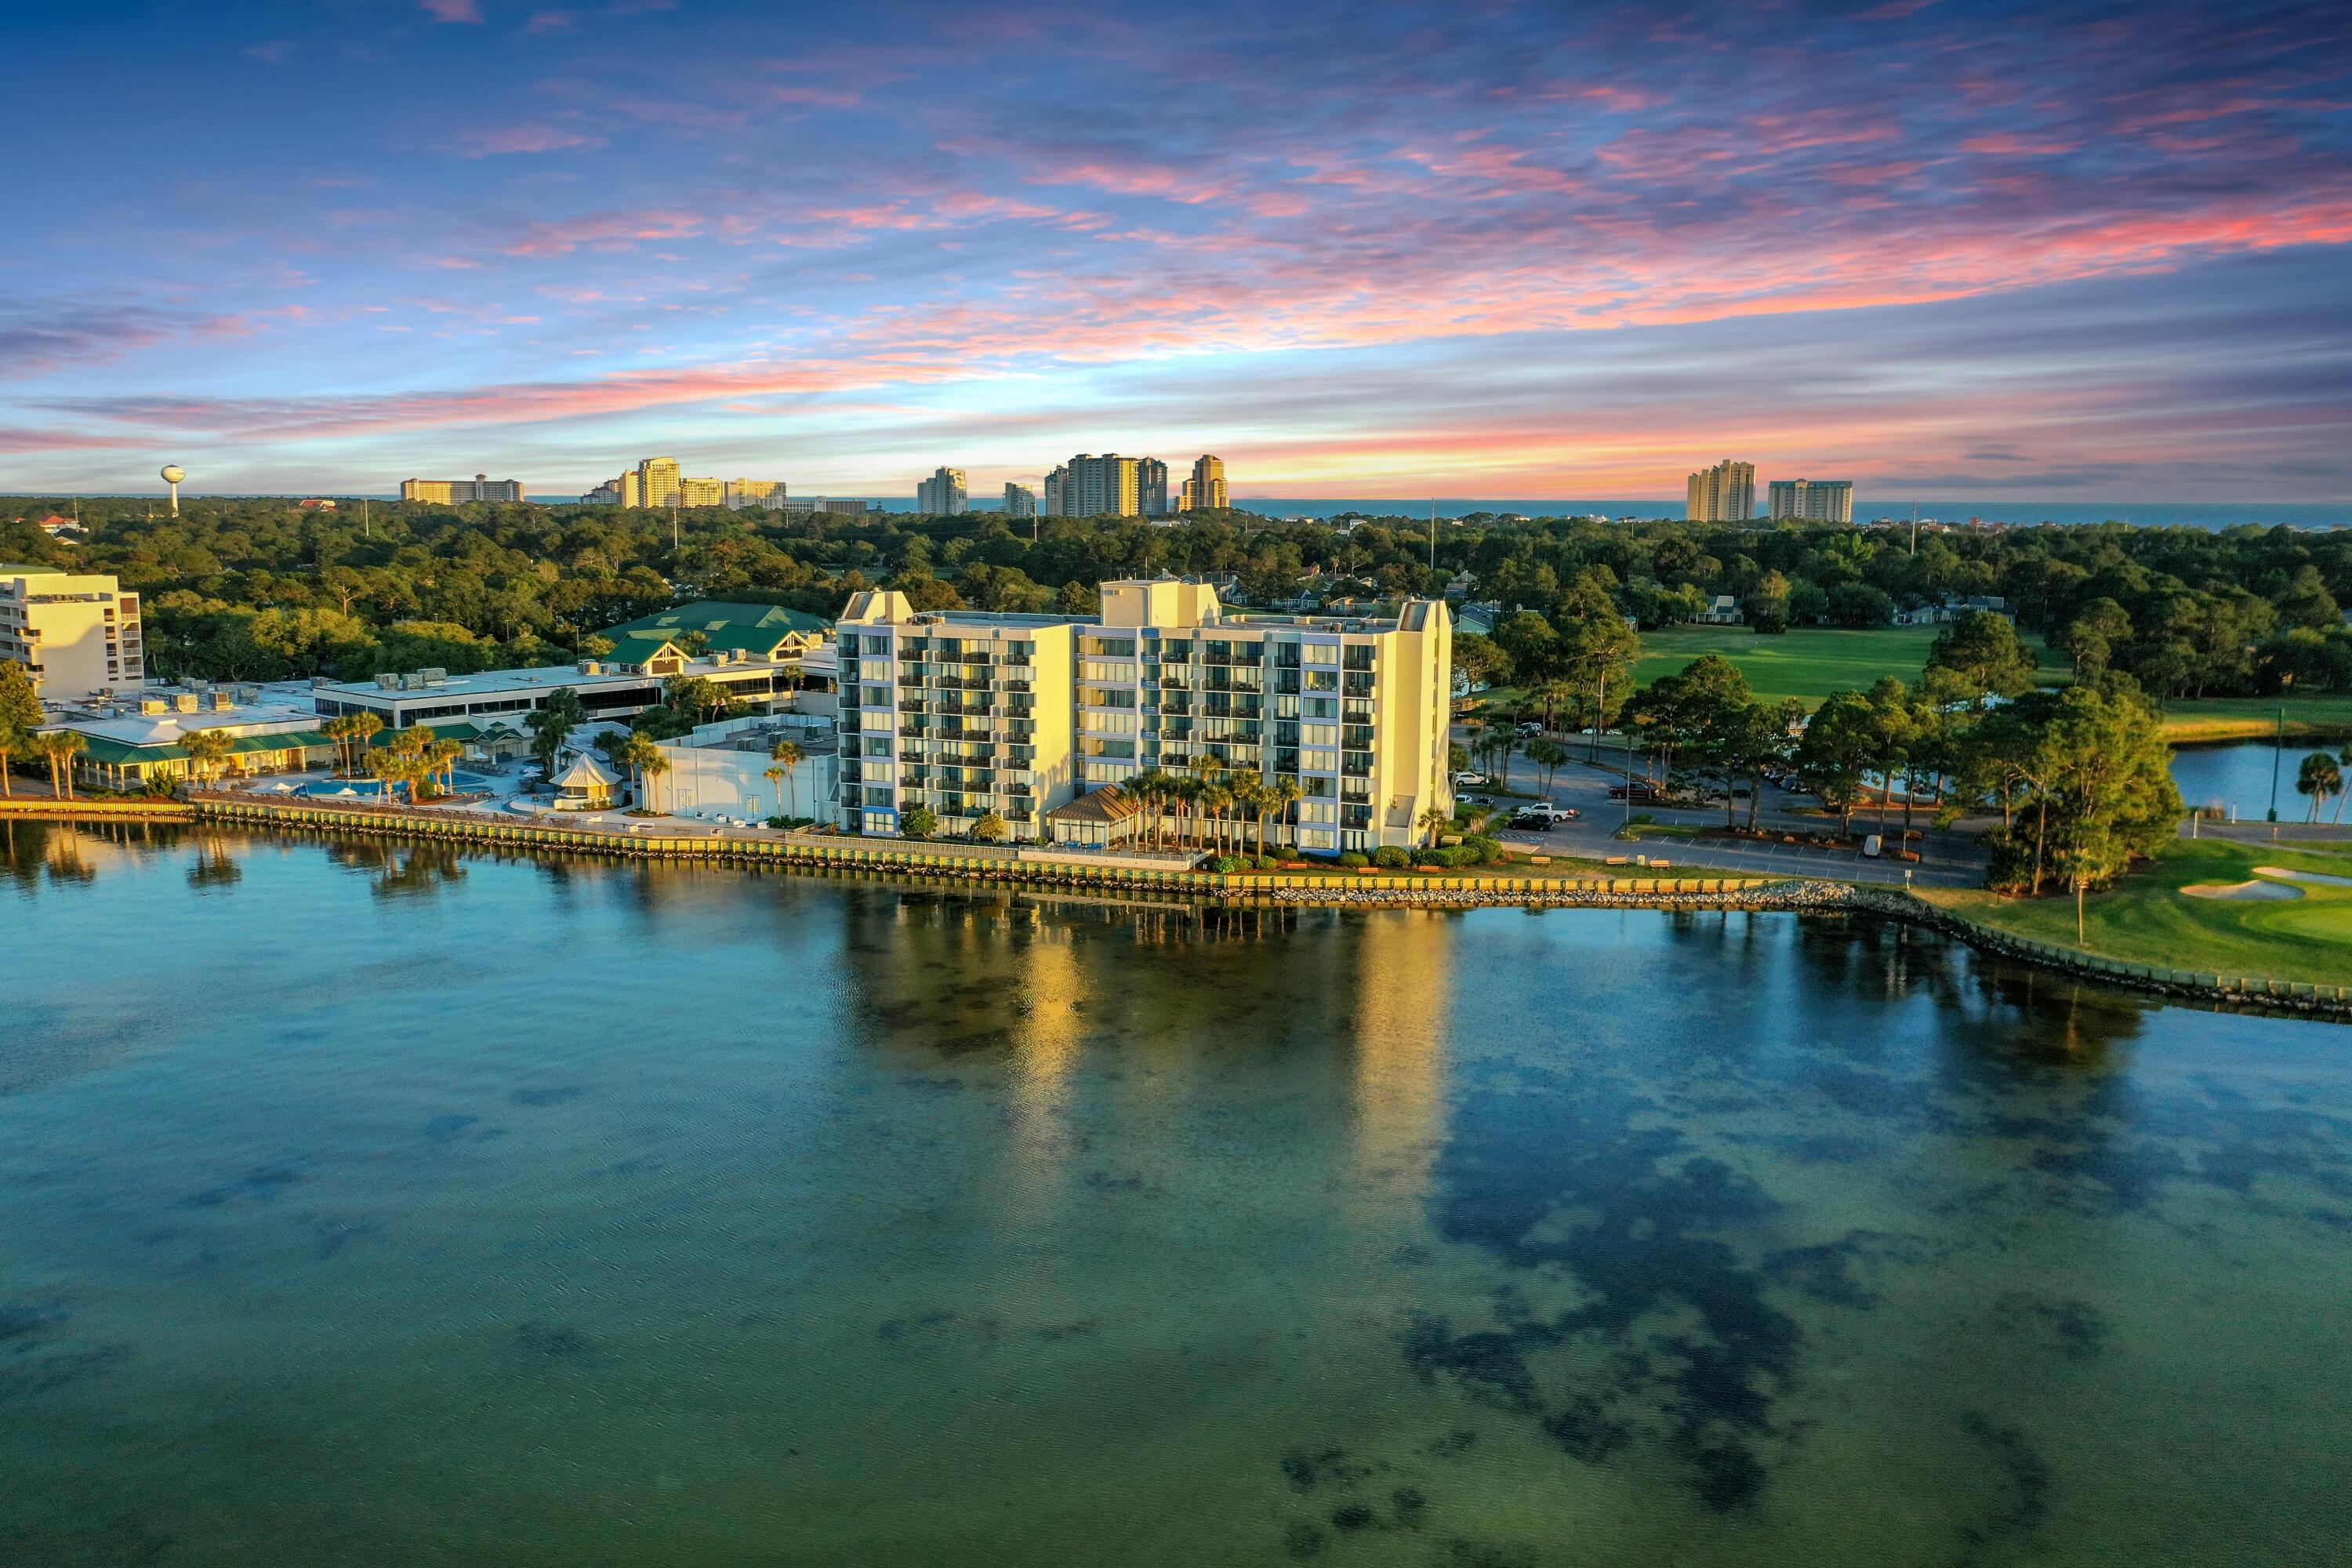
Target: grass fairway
<point>1807,664</point>
<point>2254,718</point>
<point>2145,919</point>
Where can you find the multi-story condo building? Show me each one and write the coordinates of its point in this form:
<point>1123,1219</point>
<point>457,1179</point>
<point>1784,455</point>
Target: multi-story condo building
<point>658,482</point>
<point>446,492</point>
<point>1088,485</point>
<point>1811,500</point>
<point>962,712</point>
<point>1020,500</point>
<point>1150,486</point>
<point>1724,493</point>
<point>1205,491</point>
<point>79,634</point>
<point>943,494</point>
<point>766,495</point>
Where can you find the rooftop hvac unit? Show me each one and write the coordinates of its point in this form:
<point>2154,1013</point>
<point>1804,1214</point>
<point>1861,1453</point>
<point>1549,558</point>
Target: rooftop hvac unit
<point>185,701</point>
<point>431,677</point>
<point>590,667</point>
<point>388,682</point>
<point>154,705</point>
<point>223,701</point>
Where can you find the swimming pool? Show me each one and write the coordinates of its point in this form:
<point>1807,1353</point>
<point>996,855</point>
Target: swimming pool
<point>377,789</point>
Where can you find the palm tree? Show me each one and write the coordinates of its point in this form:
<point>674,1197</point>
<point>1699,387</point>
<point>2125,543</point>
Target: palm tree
<point>358,729</point>
<point>1256,796</point>
<point>1434,820</point>
<point>442,759</point>
<point>776,776</point>
<point>2344,758</point>
<point>787,755</point>
<point>645,760</point>
<point>1500,744</point>
<point>207,749</point>
<point>1287,792</point>
<point>1144,790</point>
<point>2319,778</point>
<point>1213,799</point>
<point>1182,793</point>
<point>60,747</point>
<point>336,729</point>
<point>1548,756</point>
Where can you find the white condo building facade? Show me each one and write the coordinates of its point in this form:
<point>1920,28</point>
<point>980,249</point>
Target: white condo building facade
<point>79,632</point>
<point>964,712</point>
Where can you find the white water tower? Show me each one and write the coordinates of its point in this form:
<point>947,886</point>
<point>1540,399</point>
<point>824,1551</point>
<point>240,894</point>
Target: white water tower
<point>172,475</point>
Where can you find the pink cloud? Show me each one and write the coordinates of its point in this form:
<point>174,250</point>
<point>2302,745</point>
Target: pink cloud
<point>607,230</point>
<point>526,139</point>
<point>452,10</point>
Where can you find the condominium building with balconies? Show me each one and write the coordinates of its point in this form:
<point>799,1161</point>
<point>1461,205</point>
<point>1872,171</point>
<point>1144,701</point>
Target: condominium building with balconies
<point>963,713</point>
<point>78,632</point>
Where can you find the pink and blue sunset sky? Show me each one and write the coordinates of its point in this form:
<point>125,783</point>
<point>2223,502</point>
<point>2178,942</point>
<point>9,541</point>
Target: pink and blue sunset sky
<point>2068,251</point>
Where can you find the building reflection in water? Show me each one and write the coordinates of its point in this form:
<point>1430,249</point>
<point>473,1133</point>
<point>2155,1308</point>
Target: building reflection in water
<point>1400,1005</point>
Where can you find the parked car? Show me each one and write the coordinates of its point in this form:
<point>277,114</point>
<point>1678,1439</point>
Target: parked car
<point>1534,821</point>
<point>1468,780</point>
<point>1532,728</point>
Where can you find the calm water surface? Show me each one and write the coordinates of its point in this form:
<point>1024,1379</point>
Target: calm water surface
<point>380,1206</point>
<point>2239,777</point>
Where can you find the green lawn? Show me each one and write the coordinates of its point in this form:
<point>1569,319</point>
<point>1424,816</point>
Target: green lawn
<point>2145,919</point>
<point>1807,664</point>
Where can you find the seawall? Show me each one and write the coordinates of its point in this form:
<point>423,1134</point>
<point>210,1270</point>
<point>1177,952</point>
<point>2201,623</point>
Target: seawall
<point>1083,874</point>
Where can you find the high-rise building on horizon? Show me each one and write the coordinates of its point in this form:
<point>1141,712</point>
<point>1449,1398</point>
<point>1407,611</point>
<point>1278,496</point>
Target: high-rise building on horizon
<point>658,482</point>
<point>1150,486</point>
<point>1724,493</point>
<point>458,492</point>
<point>1091,485</point>
<point>943,494</point>
<point>1811,500</point>
<point>1205,491</point>
<point>1020,500</point>
<point>767,495</point>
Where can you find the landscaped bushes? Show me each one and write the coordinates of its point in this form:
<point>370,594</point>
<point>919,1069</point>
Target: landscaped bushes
<point>1390,856</point>
<point>1353,862</point>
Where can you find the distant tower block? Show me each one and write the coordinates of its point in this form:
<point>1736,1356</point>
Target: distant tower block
<point>172,475</point>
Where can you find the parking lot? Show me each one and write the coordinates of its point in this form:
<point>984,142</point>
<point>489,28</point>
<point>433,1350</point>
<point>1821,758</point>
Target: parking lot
<point>1948,857</point>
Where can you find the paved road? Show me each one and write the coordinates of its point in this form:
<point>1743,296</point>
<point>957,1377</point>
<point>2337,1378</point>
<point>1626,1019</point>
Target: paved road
<point>1948,857</point>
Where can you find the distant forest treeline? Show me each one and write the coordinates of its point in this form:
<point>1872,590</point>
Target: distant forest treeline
<point>251,589</point>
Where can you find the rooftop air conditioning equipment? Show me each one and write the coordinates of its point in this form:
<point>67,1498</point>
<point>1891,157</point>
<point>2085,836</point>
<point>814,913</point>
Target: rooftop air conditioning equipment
<point>154,705</point>
<point>433,677</point>
<point>185,702</point>
<point>223,701</point>
<point>388,682</point>
<point>590,667</point>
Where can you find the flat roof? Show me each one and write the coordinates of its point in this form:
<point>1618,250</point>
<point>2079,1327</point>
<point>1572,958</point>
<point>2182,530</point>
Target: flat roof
<point>165,729</point>
<point>538,677</point>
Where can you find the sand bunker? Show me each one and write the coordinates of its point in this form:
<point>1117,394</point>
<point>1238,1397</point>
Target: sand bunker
<point>2236,891</point>
<point>2329,878</point>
